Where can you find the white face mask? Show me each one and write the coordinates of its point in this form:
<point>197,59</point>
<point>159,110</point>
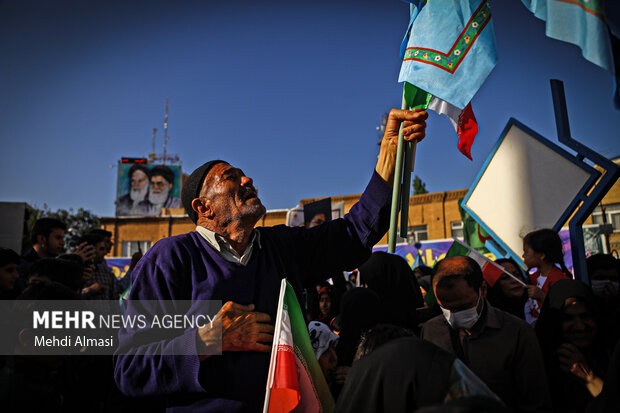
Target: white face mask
<point>599,286</point>
<point>464,319</point>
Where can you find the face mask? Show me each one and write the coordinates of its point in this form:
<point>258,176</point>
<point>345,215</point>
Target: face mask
<point>600,286</point>
<point>464,319</point>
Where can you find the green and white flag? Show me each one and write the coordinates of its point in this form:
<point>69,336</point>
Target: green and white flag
<point>463,120</point>
<point>295,380</point>
<point>490,270</point>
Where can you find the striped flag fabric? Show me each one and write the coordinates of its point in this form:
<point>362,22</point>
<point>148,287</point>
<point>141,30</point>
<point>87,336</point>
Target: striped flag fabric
<point>490,270</point>
<point>295,380</point>
<point>474,235</point>
<point>450,49</point>
<point>582,23</point>
<point>463,120</point>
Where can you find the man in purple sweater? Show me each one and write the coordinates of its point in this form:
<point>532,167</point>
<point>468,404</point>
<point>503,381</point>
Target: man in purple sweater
<point>227,259</point>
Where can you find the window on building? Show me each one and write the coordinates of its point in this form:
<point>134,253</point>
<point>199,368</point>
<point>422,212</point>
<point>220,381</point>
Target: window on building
<point>131,247</point>
<point>612,211</point>
<point>418,233</point>
<point>456,229</point>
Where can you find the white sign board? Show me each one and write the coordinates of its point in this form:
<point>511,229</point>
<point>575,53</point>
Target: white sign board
<point>527,183</point>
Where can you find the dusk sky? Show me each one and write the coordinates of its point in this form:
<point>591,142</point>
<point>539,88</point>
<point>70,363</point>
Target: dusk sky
<point>290,91</point>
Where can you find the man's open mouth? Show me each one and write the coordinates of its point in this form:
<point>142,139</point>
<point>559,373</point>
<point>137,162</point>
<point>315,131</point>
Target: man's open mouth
<point>249,195</point>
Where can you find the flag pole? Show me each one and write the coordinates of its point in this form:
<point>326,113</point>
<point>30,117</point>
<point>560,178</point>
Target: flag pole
<point>410,148</point>
<point>396,189</point>
<point>274,346</point>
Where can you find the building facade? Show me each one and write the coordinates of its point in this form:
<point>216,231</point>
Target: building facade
<point>431,216</point>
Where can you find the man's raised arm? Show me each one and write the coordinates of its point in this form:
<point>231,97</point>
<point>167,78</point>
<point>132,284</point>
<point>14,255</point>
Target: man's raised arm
<point>414,130</point>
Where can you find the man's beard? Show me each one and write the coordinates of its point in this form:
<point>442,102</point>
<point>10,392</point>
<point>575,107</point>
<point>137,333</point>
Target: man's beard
<point>138,195</point>
<point>255,210</point>
<point>158,198</point>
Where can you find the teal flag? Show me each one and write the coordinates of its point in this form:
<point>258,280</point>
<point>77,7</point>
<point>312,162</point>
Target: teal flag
<point>450,49</point>
<point>582,23</point>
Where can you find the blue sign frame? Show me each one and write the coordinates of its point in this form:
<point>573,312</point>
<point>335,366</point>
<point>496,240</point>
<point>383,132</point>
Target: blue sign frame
<point>594,175</point>
<point>592,199</point>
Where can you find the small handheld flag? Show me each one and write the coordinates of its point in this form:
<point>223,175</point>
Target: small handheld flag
<point>490,270</point>
<point>295,380</point>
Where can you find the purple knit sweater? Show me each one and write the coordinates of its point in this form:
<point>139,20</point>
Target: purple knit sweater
<point>185,267</point>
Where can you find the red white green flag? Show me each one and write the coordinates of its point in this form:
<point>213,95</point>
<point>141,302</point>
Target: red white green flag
<point>295,380</point>
<point>463,120</point>
<point>474,235</point>
<point>490,270</point>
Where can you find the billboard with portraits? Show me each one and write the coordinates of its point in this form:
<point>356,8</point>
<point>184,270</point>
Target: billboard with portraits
<point>144,189</point>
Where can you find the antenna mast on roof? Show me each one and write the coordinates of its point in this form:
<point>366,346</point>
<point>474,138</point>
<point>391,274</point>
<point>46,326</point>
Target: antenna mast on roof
<point>154,135</point>
<point>166,133</point>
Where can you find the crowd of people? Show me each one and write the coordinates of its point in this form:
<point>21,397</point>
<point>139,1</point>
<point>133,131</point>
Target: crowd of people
<point>565,359</point>
<point>387,338</point>
<point>35,383</point>
<point>532,342</point>
<point>83,269</point>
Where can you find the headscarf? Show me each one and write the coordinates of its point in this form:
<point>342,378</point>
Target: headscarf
<point>564,289</point>
<point>392,279</point>
<point>609,399</point>
<point>321,337</point>
<point>359,311</point>
<point>548,326</point>
<point>512,305</point>
<point>399,376</point>
<point>567,394</point>
<point>325,318</point>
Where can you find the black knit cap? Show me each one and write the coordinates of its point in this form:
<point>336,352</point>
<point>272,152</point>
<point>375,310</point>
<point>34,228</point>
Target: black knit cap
<point>192,186</point>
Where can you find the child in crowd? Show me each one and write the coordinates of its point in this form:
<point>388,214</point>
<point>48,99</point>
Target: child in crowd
<point>508,294</point>
<point>326,310</point>
<point>324,345</point>
<point>542,250</point>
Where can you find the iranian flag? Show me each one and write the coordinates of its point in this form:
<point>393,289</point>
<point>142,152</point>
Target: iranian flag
<point>295,380</point>
<point>463,120</point>
<point>490,270</point>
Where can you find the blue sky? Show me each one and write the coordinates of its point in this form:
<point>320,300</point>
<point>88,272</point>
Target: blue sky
<point>290,91</point>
